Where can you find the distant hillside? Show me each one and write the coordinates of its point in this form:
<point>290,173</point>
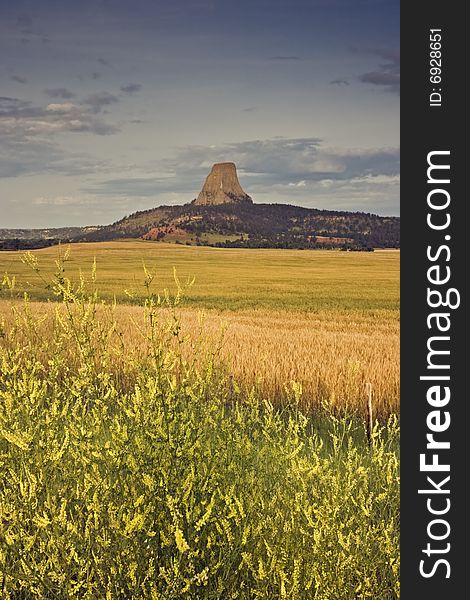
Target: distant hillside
<point>28,239</point>
<point>256,225</point>
<point>61,233</point>
<point>243,225</point>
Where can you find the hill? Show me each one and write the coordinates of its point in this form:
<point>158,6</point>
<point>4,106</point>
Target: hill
<point>255,226</point>
<point>26,239</point>
<point>242,225</point>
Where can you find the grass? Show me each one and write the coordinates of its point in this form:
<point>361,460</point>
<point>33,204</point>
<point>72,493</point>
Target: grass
<point>314,317</point>
<point>231,279</point>
<point>331,356</point>
<point>171,481</point>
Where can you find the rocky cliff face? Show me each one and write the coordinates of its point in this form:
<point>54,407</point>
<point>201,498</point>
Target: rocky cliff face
<point>222,187</point>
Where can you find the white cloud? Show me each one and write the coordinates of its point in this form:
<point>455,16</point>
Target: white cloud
<point>300,171</point>
<point>20,119</point>
<point>280,160</point>
<point>63,200</point>
<point>378,179</point>
<point>64,107</point>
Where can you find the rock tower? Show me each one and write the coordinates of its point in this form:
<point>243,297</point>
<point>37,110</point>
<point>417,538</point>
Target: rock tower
<point>222,187</point>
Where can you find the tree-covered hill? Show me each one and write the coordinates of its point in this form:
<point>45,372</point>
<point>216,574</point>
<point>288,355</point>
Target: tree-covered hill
<point>232,225</point>
<point>258,225</point>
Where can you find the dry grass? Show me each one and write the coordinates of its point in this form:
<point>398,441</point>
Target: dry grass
<point>331,354</point>
<point>328,320</point>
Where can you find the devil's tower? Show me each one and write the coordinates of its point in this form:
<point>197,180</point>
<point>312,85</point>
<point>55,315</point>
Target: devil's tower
<point>222,187</point>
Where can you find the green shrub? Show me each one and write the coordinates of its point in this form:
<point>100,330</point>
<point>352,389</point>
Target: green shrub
<point>179,487</point>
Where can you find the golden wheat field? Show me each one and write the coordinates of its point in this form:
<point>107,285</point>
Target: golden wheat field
<point>264,336</point>
<point>331,356</point>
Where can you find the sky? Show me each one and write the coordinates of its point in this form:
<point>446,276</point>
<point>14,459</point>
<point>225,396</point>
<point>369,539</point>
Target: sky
<point>113,106</point>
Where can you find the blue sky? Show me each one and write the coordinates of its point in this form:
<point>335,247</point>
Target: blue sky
<point>112,106</point>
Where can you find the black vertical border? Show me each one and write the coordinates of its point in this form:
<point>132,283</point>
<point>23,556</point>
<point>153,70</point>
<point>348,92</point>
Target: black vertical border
<point>425,129</point>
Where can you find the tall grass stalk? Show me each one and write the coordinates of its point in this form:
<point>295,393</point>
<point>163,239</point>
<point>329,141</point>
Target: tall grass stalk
<point>168,481</point>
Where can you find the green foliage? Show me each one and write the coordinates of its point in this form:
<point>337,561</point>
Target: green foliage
<point>180,488</point>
